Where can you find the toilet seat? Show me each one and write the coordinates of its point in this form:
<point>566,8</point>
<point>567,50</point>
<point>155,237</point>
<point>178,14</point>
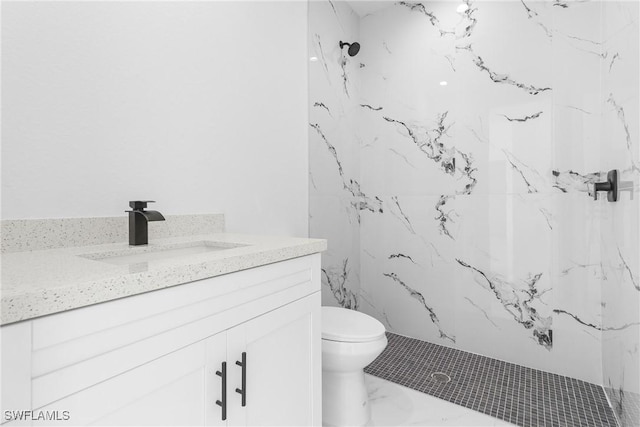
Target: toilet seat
<point>344,325</point>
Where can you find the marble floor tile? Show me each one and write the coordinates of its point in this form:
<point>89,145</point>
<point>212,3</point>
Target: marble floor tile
<point>396,405</point>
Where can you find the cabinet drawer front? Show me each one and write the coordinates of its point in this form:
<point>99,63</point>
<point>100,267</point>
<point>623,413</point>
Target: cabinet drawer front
<point>63,327</point>
<point>181,305</point>
<point>166,391</point>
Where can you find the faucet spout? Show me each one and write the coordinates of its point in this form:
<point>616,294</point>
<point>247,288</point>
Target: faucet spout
<point>152,215</point>
<point>139,222</point>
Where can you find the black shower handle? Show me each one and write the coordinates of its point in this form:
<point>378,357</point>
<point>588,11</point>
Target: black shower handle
<point>610,186</point>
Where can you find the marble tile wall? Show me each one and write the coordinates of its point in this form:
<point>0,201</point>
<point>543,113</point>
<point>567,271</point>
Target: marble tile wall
<point>453,172</point>
<point>335,199</point>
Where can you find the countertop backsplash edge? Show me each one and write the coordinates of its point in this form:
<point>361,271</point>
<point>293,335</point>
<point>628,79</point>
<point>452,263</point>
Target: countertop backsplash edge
<point>19,235</point>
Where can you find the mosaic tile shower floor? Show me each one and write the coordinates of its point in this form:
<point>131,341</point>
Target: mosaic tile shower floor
<point>509,392</point>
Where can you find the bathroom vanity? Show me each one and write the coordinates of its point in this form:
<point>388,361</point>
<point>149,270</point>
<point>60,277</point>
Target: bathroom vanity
<point>221,337</point>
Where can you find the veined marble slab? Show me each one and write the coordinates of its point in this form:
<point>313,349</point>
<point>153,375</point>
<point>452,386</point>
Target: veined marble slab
<point>452,164</point>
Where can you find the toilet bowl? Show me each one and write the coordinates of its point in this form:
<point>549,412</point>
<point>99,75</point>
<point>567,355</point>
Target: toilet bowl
<point>350,341</point>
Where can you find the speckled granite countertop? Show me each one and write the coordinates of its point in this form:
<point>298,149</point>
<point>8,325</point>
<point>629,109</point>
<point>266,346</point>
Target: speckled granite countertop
<point>41,282</point>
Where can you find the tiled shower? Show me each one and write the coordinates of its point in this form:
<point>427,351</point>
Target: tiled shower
<point>452,163</point>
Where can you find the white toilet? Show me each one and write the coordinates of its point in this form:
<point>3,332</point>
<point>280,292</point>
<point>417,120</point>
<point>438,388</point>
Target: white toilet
<point>350,341</point>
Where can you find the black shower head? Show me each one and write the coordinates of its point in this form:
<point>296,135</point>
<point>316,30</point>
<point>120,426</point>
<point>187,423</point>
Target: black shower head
<point>354,47</point>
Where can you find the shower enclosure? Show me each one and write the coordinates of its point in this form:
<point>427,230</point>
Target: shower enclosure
<point>452,166</point>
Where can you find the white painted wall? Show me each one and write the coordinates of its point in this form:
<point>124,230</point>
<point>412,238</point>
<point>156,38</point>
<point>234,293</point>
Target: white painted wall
<point>201,106</point>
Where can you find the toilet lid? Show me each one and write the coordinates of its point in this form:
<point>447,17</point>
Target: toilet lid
<point>341,324</point>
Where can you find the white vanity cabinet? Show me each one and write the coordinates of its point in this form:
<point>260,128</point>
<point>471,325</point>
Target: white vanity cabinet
<point>157,358</point>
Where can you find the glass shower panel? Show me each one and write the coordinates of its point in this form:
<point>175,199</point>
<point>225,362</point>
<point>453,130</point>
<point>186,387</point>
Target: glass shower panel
<point>620,221</point>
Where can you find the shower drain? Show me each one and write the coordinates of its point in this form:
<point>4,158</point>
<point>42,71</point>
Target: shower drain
<point>441,377</point>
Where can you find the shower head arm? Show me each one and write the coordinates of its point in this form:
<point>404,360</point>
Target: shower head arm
<point>354,47</point>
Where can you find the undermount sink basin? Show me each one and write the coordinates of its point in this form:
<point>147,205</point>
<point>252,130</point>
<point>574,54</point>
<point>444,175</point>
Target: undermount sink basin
<point>136,255</point>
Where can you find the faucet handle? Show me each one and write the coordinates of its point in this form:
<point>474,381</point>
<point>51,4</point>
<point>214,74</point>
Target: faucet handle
<point>138,205</point>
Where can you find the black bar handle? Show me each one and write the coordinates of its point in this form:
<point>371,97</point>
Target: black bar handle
<point>243,390</point>
<point>223,403</point>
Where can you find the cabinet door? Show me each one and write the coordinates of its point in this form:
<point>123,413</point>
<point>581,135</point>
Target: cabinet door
<point>283,367</point>
<point>179,388</point>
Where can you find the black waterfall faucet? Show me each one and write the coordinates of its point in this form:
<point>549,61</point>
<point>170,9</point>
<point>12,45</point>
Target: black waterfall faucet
<point>139,221</point>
